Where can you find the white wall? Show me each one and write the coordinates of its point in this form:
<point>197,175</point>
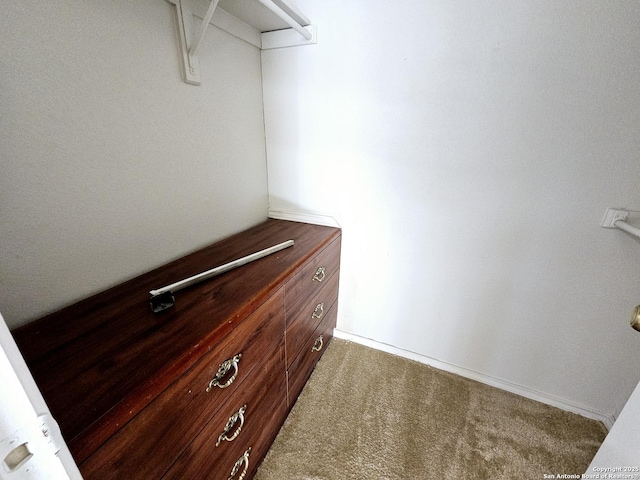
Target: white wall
<point>469,150</point>
<point>110,163</point>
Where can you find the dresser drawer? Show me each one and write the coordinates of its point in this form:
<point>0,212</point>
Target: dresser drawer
<point>259,409</point>
<point>303,365</point>
<point>311,279</point>
<point>300,328</point>
<point>149,444</point>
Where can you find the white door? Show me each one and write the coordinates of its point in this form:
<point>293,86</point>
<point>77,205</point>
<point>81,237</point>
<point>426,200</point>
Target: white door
<point>31,447</point>
<point>619,454</point>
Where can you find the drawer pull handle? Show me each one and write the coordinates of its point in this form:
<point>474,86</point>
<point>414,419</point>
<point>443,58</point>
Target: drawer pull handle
<point>233,419</point>
<point>318,344</point>
<point>317,313</point>
<point>236,468</point>
<point>319,276</point>
<point>223,370</point>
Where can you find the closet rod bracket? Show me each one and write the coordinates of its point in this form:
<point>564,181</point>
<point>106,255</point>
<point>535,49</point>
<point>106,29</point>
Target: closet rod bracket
<point>613,215</point>
<point>616,218</point>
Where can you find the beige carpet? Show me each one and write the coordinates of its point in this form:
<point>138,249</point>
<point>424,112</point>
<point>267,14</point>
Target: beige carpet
<point>369,415</point>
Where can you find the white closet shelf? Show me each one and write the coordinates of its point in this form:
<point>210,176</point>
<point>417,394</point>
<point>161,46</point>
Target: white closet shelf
<point>259,16</point>
<point>266,24</point>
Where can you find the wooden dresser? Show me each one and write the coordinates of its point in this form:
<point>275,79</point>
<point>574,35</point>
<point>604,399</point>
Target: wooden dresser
<point>201,389</point>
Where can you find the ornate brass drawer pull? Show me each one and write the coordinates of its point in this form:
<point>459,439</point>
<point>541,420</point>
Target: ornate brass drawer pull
<point>223,370</point>
<point>317,313</point>
<point>236,468</point>
<point>233,419</point>
<point>319,276</point>
<point>318,344</point>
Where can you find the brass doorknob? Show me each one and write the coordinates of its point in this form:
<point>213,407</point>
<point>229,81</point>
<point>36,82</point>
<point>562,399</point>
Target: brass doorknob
<point>635,318</point>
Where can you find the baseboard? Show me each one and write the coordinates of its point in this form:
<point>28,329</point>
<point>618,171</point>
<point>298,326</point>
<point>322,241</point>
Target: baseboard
<point>607,419</point>
<point>325,220</point>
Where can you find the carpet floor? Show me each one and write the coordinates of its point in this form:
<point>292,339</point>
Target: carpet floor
<point>366,414</point>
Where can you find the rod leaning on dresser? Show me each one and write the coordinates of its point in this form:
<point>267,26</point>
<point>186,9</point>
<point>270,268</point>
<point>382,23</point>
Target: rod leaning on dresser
<point>198,390</point>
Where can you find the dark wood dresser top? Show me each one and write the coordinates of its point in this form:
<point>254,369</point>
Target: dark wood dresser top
<point>100,361</point>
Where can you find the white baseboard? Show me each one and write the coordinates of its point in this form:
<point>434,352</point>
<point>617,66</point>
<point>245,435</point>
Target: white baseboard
<point>607,419</point>
<point>325,220</point>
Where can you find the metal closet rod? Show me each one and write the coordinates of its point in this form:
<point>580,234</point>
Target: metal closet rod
<point>622,225</point>
<point>187,282</point>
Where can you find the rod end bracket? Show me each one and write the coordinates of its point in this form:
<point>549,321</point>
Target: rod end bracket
<point>162,301</point>
<point>612,216</point>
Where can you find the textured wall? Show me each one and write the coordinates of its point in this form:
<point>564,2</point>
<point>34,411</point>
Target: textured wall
<point>469,151</point>
<point>111,164</point>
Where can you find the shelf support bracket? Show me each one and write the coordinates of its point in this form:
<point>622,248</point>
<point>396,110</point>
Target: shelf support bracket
<point>203,27</point>
<point>189,49</point>
<point>190,43</point>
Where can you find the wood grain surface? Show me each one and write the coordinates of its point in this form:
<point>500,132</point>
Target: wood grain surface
<point>100,361</point>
